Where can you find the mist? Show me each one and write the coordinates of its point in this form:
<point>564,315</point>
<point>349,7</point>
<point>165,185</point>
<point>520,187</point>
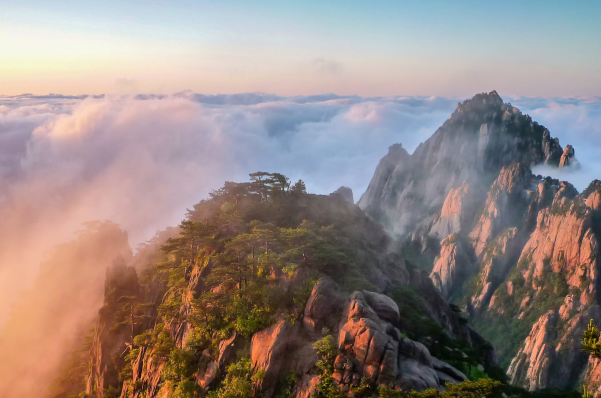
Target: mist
<point>140,161</point>
<point>575,121</point>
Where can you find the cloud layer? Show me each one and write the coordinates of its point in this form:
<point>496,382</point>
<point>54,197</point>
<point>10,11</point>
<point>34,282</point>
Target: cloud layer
<point>142,160</point>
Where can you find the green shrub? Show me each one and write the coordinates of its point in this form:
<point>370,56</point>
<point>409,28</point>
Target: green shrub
<point>251,322</point>
<point>326,352</point>
<point>185,389</point>
<point>483,388</point>
<point>238,381</point>
<point>285,384</point>
<point>180,365</point>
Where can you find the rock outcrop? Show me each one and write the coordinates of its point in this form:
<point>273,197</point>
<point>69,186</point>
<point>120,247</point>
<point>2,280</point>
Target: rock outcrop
<point>373,349</point>
<point>457,212</point>
<point>551,355</point>
<point>505,203</point>
<point>519,251</point>
<point>370,347</point>
<point>267,353</point>
<point>531,367</point>
<point>452,267</point>
<point>496,262</point>
<point>564,242</point>
<point>346,193</point>
<point>592,195</point>
<point>121,291</point>
<point>566,157</point>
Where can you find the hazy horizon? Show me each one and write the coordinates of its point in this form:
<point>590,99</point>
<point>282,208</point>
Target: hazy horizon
<point>414,48</point>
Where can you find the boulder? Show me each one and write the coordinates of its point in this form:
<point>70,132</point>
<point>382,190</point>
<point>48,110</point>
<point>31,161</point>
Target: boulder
<point>268,350</point>
<point>323,306</point>
<point>384,306</point>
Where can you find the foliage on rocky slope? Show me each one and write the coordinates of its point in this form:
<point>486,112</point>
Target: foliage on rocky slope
<point>258,274</point>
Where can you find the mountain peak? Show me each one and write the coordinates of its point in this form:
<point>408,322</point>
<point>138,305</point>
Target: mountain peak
<point>481,137</point>
<point>481,102</point>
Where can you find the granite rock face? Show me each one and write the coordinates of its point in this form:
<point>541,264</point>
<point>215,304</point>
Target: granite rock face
<point>121,281</point>
<point>370,346</point>
<point>514,248</point>
<point>564,242</point>
<point>566,157</point>
<point>457,211</point>
<point>551,356</point>
<point>504,204</point>
<point>531,367</point>
<point>452,267</point>
<point>373,349</point>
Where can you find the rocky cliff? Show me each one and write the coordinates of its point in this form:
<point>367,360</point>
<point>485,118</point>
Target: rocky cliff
<point>115,327</point>
<point>519,252</point>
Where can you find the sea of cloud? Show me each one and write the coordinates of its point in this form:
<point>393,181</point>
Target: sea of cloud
<point>142,160</point>
<point>575,121</point>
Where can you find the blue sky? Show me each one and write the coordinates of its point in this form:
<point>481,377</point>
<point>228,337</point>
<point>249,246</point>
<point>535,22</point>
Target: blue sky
<point>535,48</point>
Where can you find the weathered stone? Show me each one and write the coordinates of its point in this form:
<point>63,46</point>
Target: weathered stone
<point>416,376</point>
<point>530,368</point>
<point>548,360</point>
<point>593,197</point>
<point>497,259</point>
<point>452,267</point>
<point>564,241</point>
<point>566,157</point>
<point>384,306</point>
<point>503,204</point>
<point>121,281</point>
<point>446,373</point>
<point>457,211</point>
<point>323,305</point>
<point>267,352</point>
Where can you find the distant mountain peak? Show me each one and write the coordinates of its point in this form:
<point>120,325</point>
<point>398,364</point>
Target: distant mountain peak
<point>480,138</point>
